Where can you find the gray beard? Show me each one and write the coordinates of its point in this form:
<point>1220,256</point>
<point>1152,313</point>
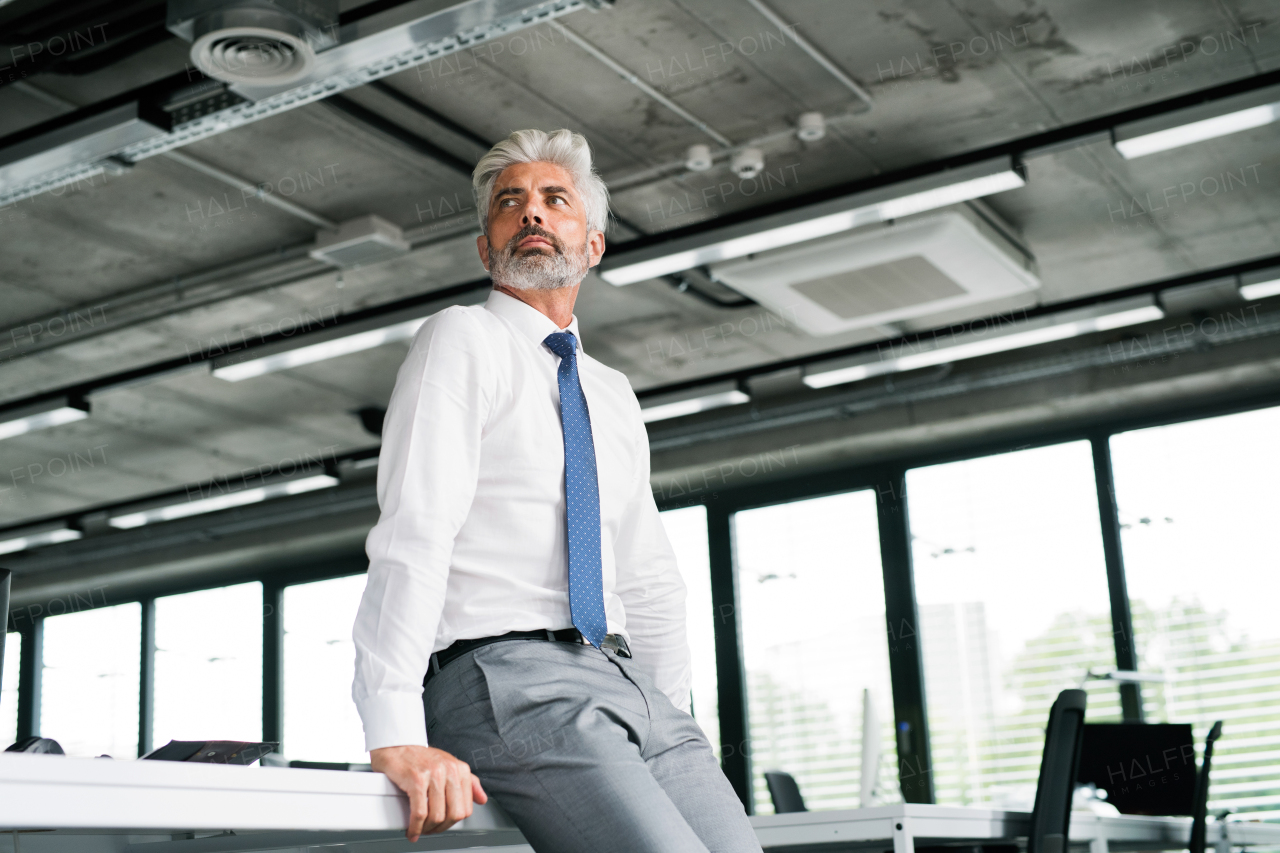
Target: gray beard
<point>537,271</point>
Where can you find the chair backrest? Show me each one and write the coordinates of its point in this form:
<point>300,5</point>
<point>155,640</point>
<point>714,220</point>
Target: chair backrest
<point>1199,812</point>
<point>1051,817</point>
<point>784,792</point>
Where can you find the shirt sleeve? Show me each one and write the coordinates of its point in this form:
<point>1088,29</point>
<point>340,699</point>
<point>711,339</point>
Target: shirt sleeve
<point>651,587</point>
<point>427,474</point>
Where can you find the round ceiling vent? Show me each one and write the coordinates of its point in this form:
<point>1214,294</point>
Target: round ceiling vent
<point>254,55</point>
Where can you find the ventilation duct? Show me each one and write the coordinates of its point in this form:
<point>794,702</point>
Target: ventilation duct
<point>886,274</point>
<point>356,242</point>
<point>268,57</point>
<point>257,42</point>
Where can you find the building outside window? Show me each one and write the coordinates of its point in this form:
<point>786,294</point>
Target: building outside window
<point>811,591</point>
<point>1013,601</point>
<point>320,719</point>
<point>90,678</point>
<point>1198,513</point>
<point>208,665</point>
<point>687,530</point>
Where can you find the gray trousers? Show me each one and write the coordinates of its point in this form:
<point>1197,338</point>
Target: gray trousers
<point>584,753</point>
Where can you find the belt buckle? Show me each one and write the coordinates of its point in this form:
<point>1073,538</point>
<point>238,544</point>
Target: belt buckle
<point>618,644</point>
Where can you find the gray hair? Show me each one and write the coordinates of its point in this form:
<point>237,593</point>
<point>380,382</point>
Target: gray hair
<point>564,148</point>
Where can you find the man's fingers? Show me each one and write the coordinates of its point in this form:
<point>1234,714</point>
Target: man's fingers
<point>456,803</point>
<point>417,807</point>
<point>435,801</point>
<point>464,782</point>
<point>477,792</point>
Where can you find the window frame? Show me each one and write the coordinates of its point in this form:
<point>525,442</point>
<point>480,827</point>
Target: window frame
<point>887,476</point>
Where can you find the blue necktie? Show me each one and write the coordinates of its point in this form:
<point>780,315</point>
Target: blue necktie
<point>582,493</point>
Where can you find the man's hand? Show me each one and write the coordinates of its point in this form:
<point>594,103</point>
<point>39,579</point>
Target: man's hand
<point>440,787</point>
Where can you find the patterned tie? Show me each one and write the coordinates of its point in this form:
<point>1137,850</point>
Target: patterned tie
<point>582,492</point>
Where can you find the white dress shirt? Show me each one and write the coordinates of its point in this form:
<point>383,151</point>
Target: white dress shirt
<point>472,540</point>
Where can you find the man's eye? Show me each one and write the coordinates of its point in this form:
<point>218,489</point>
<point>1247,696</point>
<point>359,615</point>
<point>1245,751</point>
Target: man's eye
<point>556,198</point>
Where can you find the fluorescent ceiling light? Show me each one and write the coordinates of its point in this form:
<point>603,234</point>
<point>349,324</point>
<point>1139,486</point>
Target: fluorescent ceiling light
<point>694,400</point>
<point>358,342</point>
<point>243,497</point>
<point>950,194</point>
<point>50,413</point>
<point>1261,289</point>
<point>1196,124</point>
<point>813,221</point>
<point>33,537</point>
<point>972,345</point>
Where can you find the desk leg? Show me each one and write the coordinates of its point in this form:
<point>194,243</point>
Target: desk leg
<point>1098,844</point>
<point>1223,844</point>
<point>902,840</point>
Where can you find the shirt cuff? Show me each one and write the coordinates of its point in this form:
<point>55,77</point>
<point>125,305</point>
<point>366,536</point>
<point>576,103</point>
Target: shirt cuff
<point>393,719</point>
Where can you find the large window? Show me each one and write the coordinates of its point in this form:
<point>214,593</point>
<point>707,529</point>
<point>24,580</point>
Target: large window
<point>1198,509</point>
<point>320,719</point>
<point>1011,586</point>
<point>9,689</point>
<point>811,591</point>
<point>687,530</point>
<point>90,681</point>
<point>209,665</point>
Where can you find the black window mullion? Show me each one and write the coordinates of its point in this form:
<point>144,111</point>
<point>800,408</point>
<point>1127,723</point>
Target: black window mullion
<point>5,583</point>
<point>29,666</point>
<point>272,662</point>
<point>906,663</point>
<point>147,677</point>
<point>735,748</point>
<point>1121,615</point>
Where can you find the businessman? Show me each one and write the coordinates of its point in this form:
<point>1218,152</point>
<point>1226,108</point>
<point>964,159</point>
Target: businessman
<point>522,632</point>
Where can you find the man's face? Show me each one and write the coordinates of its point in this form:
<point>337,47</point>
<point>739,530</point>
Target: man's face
<point>538,236</point>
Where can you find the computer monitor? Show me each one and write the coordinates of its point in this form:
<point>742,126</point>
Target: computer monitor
<point>1146,769</point>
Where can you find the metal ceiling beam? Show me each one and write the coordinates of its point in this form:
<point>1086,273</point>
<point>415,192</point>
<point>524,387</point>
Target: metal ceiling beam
<point>177,111</point>
<point>1028,147</point>
<point>814,53</point>
<point>430,302</point>
<point>252,274</point>
<point>630,76</point>
<point>198,165</point>
<point>367,117</point>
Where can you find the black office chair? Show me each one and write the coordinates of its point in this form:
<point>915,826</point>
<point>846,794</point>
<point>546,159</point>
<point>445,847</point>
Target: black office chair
<point>784,792</point>
<point>1199,813</point>
<point>1051,817</point>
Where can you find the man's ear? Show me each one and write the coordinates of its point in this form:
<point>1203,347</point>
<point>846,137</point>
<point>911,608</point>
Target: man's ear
<point>595,247</point>
<point>482,246</point>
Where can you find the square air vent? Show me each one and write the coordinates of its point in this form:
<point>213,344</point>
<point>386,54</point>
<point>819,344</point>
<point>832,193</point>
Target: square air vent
<point>888,274</point>
<point>357,242</point>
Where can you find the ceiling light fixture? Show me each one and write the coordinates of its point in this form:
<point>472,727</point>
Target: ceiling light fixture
<point>972,344</point>
<point>26,538</point>
<point>691,401</point>
<point>49,413</point>
<point>235,371</point>
<point>916,195</point>
<point>1196,124</point>
<point>340,336</point>
<point>243,497</point>
<point>1260,285</point>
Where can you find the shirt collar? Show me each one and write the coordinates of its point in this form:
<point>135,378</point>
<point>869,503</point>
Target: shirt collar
<point>531,322</point>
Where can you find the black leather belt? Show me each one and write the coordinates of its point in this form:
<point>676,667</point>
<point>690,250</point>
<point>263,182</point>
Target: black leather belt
<point>442,658</point>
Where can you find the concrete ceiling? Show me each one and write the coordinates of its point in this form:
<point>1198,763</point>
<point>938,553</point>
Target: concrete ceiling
<point>946,77</point>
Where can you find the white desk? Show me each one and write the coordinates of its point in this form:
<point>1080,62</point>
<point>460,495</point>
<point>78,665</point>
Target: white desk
<point>101,806</point>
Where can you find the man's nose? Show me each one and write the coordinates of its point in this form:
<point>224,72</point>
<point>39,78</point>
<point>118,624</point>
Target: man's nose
<point>532,217</point>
